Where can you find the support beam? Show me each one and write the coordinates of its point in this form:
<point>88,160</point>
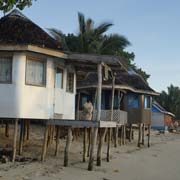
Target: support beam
<point>149,134</point>
<point>100,145</point>
<point>116,136</point>
<point>44,148</point>
<point>21,136</point>
<point>84,144</point>
<point>143,129</point>
<point>95,131</point>
<point>57,140</point>
<point>139,135</point>
<point>7,129</point>
<point>15,140</point>
<point>130,132</point>
<point>67,148</point>
<point>110,129</point>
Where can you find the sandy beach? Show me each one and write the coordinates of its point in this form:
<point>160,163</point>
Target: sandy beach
<point>160,161</point>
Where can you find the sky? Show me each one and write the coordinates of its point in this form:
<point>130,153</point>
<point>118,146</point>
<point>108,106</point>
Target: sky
<point>152,27</point>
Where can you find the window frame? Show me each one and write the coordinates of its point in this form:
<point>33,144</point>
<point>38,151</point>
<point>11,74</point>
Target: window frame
<point>149,97</point>
<point>62,82</point>
<point>36,59</point>
<point>11,68</point>
<point>67,81</point>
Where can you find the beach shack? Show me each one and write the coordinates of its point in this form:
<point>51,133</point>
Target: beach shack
<point>161,118</point>
<point>35,81</point>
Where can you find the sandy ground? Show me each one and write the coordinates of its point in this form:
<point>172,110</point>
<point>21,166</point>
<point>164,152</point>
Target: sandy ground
<point>160,161</point>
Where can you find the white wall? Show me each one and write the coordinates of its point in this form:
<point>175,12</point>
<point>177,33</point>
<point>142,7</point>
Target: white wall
<point>18,100</point>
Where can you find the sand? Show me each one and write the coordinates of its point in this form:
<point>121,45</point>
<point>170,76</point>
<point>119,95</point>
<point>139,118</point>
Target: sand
<point>160,161</point>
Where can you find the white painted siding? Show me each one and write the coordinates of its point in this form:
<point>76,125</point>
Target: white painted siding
<point>18,100</point>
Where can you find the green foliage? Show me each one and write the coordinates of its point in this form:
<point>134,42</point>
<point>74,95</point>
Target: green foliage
<point>7,5</point>
<point>170,100</point>
<point>93,39</point>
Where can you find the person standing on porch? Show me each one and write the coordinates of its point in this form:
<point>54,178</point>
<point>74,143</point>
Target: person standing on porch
<point>88,110</point>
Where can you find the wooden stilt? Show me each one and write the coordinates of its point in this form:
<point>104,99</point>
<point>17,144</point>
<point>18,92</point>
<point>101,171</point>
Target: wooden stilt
<point>15,139</point>
<point>139,135</point>
<point>67,148</point>
<point>101,141</point>
<point>109,144</point>
<point>44,148</point>
<point>84,145</point>
<point>21,136</point>
<point>89,141</point>
<point>116,137</point>
<point>149,134</point>
<point>143,129</point>
<point>121,135</point>
<point>93,143</point>
<point>24,130</point>
<point>95,130</point>
<point>57,140</point>
<point>124,136</point>
<point>130,132</point>
<point>7,129</point>
<point>28,129</point>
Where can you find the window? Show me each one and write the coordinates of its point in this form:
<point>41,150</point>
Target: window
<point>35,72</point>
<point>5,70</point>
<point>133,101</point>
<point>147,102</point>
<point>59,78</point>
<point>70,82</point>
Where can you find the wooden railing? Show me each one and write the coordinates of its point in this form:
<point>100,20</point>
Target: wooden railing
<point>119,116</point>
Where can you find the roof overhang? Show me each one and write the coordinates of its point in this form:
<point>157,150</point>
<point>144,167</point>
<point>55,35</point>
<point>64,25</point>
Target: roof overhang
<point>121,87</point>
<point>33,48</point>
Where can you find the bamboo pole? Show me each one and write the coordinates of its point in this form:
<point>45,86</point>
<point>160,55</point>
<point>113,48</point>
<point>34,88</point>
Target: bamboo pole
<point>143,129</point>
<point>15,139</point>
<point>130,132</point>
<point>67,148</point>
<point>95,131</point>
<point>139,135</point>
<point>7,129</point>
<point>21,136</point>
<point>110,129</point>
<point>149,134</point>
<point>100,145</point>
<point>28,129</point>
<point>44,148</point>
<point>57,140</point>
<point>84,145</point>
<point>116,136</point>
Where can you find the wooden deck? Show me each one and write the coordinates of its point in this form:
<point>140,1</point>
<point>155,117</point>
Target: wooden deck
<point>81,123</point>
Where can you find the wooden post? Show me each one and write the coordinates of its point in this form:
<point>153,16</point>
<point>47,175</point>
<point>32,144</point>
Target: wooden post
<point>78,105</point>
<point>21,136</point>
<point>143,129</point>
<point>101,141</point>
<point>24,129</point>
<point>149,134</point>
<point>110,129</point>
<point>95,131</point>
<point>89,141</point>
<point>7,129</point>
<point>139,135</point>
<point>116,136</point>
<point>130,132</point>
<point>15,139</point>
<point>67,148</point>
<point>57,140</point>
<point>44,148</point>
<point>28,129</point>
<point>124,135</point>
<point>84,144</point>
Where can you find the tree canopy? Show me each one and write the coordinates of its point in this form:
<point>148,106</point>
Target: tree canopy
<point>7,5</point>
<point>94,39</point>
<point>170,100</point>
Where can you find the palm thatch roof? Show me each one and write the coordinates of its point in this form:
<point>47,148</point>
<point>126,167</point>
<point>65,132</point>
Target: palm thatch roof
<point>17,29</point>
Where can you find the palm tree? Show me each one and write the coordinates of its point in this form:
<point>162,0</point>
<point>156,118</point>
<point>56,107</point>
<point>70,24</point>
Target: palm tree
<point>91,38</point>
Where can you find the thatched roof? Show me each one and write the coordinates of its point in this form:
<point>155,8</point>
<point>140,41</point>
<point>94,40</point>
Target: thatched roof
<point>17,29</point>
<point>124,80</point>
